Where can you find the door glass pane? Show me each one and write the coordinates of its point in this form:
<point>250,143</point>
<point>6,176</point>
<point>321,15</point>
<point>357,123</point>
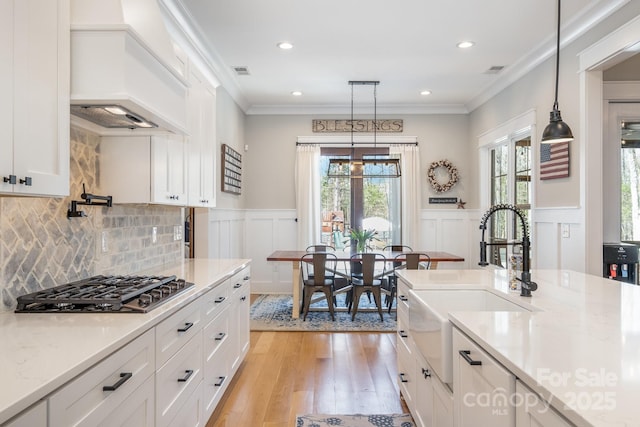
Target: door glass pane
<point>335,200</point>
<point>382,210</point>
<point>629,175</point>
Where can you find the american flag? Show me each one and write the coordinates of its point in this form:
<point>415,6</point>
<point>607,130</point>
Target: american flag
<point>554,160</point>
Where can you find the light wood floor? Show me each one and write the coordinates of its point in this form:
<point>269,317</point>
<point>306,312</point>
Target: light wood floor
<point>293,373</point>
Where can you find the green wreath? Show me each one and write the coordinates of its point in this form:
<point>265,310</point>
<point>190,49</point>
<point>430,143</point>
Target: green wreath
<point>453,176</point>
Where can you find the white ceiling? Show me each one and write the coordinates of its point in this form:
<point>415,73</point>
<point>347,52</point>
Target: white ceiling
<point>408,45</point>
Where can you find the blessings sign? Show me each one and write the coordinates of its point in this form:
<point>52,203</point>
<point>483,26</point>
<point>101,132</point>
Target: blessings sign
<point>330,125</point>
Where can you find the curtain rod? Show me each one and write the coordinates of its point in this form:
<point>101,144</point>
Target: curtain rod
<point>384,144</point>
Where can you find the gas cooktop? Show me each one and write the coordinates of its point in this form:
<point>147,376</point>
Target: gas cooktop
<point>104,294</point>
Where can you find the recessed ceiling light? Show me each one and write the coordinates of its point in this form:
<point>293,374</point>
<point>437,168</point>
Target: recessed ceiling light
<point>465,44</point>
<point>296,93</point>
<point>285,45</point>
<point>425,92</point>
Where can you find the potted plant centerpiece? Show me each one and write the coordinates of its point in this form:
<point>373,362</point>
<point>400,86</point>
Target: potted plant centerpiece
<point>363,238</point>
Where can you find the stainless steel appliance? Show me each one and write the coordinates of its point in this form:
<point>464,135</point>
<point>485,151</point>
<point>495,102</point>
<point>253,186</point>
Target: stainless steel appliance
<point>104,294</point>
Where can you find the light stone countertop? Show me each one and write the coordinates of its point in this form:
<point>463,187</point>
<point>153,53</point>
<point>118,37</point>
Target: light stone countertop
<point>41,352</point>
<point>580,350</point>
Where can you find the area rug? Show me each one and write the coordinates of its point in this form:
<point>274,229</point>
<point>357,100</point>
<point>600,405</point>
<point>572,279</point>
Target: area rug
<point>358,420</point>
<point>273,313</point>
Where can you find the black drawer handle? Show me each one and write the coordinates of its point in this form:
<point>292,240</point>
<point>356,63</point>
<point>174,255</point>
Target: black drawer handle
<point>246,278</point>
<point>466,355</point>
<point>220,336</point>
<point>187,375</point>
<point>403,379</point>
<point>124,377</point>
<point>26,181</point>
<point>237,286</point>
<point>11,179</point>
<point>403,333</point>
<point>403,298</point>
<point>243,298</point>
<point>220,381</point>
<point>426,373</point>
<point>219,300</point>
<point>187,326</point>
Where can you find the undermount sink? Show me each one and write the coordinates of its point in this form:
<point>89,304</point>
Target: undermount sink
<point>430,325</point>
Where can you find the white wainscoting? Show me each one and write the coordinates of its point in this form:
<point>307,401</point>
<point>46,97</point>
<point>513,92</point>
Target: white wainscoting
<point>257,233</point>
<point>558,239</point>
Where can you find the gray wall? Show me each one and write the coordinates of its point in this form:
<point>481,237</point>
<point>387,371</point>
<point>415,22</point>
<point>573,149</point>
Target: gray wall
<point>269,165</point>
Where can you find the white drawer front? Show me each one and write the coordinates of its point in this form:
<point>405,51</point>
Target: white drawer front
<point>137,410</point>
<point>214,301</point>
<point>216,333</point>
<point>88,399</point>
<point>217,375</point>
<point>174,332</point>
<point>177,379</point>
<point>35,416</point>
<point>191,413</point>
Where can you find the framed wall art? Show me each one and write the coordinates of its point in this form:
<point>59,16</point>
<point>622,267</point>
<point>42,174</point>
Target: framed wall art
<point>231,170</point>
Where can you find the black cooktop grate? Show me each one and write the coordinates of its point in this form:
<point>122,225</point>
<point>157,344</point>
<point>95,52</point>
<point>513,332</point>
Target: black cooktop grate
<point>104,293</point>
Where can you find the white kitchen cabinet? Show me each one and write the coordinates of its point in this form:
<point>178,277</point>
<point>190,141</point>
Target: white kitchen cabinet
<point>177,380</point>
<point>428,399</point>
<point>482,387</point>
<point>34,101</point>
<point>113,386</point>
<point>217,360</point>
<point>144,169</point>
<point>35,416</point>
<point>191,414</point>
<point>533,411</point>
<point>202,142</point>
<point>174,332</point>
<point>240,305</point>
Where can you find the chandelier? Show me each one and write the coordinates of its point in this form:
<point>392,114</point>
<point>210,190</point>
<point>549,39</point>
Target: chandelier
<point>369,166</point>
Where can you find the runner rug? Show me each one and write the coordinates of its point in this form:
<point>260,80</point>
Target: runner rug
<point>273,313</point>
<point>396,420</point>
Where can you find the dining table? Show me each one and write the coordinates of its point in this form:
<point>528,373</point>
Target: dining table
<point>294,256</point>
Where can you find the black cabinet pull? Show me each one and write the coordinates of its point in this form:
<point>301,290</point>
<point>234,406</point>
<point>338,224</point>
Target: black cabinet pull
<point>220,336</point>
<point>426,373</point>
<point>403,333</point>
<point>403,379</point>
<point>11,179</point>
<point>187,326</point>
<point>466,356</point>
<point>187,375</point>
<point>237,285</point>
<point>124,377</point>
<point>246,278</point>
<point>403,298</point>
<point>243,298</point>
<point>219,300</point>
<point>220,381</point>
<point>26,181</point>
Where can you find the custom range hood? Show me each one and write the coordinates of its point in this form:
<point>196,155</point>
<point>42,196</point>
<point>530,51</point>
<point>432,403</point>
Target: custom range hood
<point>125,75</point>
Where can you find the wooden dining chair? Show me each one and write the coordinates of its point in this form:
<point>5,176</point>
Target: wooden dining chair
<point>316,270</point>
<point>367,275</point>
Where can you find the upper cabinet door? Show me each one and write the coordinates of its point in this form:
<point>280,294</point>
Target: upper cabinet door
<point>6,95</point>
<point>168,172</point>
<point>41,58</point>
<point>202,141</point>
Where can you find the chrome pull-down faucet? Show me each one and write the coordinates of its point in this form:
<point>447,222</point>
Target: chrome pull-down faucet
<point>527,286</point>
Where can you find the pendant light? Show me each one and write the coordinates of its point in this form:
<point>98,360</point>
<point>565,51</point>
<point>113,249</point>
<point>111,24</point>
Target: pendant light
<point>369,166</point>
<point>557,130</point>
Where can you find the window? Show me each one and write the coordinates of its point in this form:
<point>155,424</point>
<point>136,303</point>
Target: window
<point>510,180</point>
<point>369,203</point>
<point>629,174</point>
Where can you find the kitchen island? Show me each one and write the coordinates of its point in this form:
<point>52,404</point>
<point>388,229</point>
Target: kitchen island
<point>578,348</point>
<point>41,353</point>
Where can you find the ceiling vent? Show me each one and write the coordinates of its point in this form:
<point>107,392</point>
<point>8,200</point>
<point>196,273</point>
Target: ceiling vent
<point>494,69</point>
<point>241,70</point>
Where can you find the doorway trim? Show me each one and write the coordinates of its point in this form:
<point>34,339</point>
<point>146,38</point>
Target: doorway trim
<point>610,50</point>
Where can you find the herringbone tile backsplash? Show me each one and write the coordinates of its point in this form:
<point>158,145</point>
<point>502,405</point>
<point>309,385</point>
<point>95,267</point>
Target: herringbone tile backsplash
<point>41,248</point>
